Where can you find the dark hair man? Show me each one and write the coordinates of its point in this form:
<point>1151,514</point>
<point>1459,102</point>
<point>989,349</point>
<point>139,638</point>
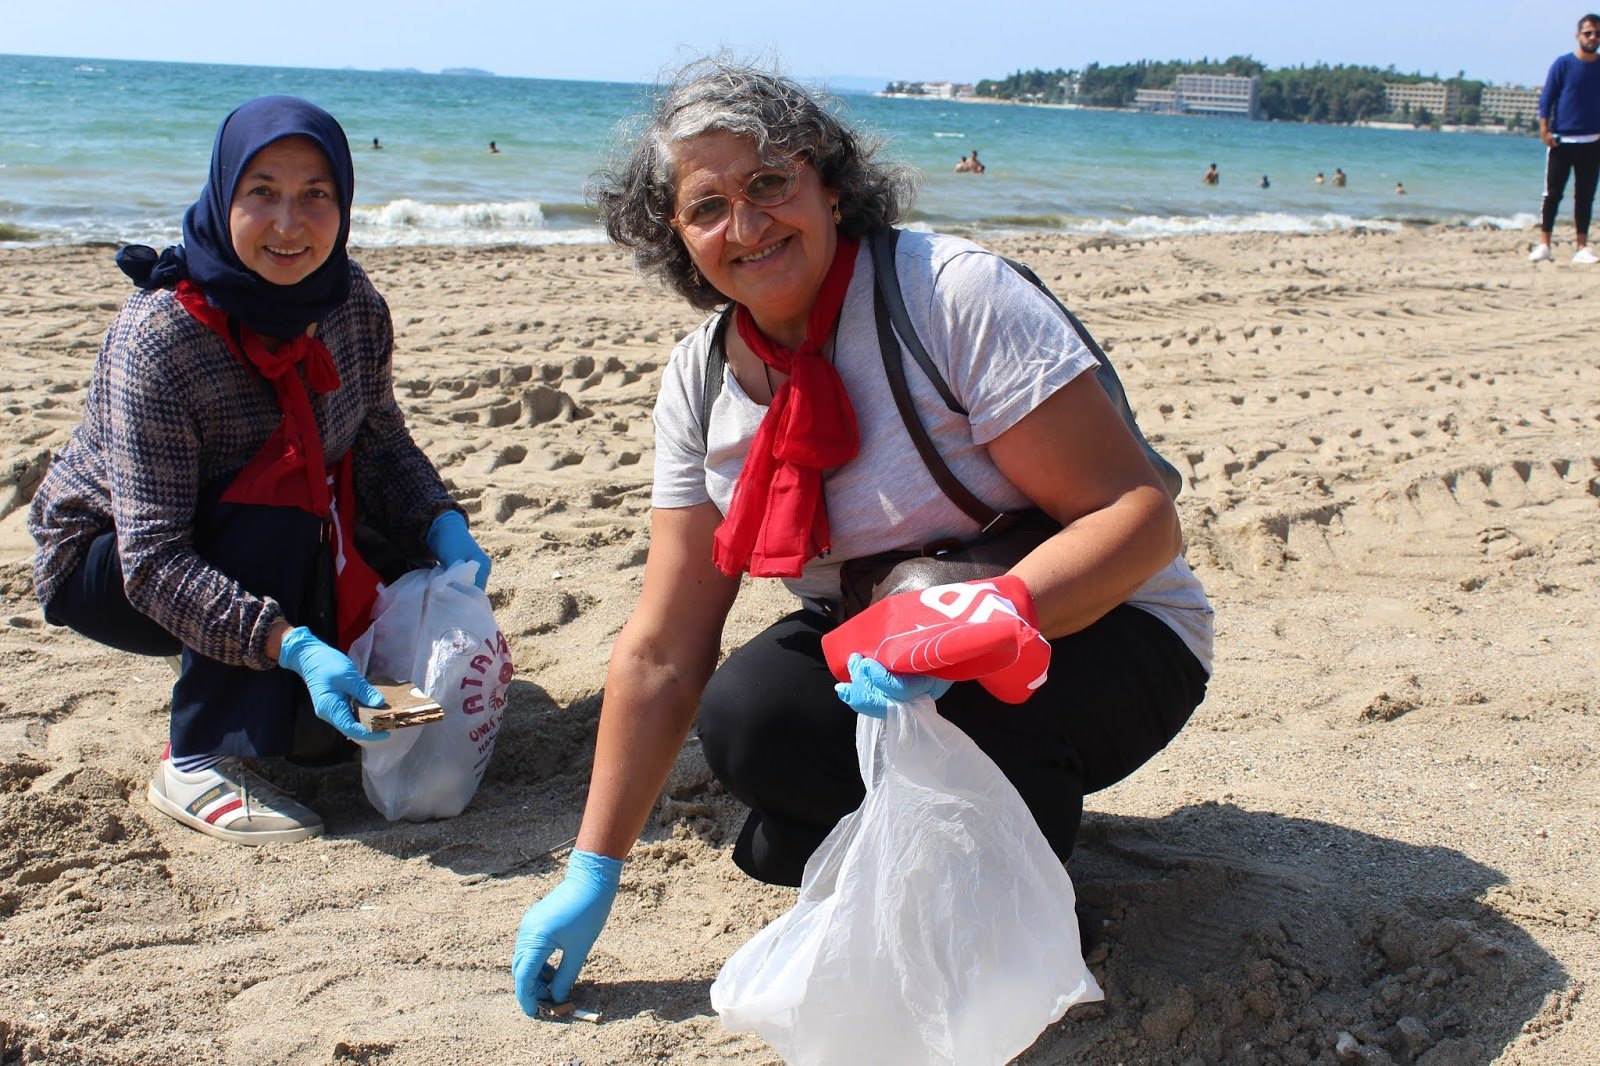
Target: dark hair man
<point>1569,125</point>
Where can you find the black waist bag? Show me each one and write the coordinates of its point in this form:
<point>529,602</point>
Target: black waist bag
<point>865,581</point>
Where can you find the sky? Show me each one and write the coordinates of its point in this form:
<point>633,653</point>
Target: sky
<point>1500,41</point>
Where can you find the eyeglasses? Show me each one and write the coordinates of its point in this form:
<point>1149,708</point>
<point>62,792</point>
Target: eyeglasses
<point>764,188</point>
<point>1589,33</point>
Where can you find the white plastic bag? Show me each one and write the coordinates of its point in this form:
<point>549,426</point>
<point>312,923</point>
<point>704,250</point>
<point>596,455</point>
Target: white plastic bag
<point>435,629</point>
<point>934,924</point>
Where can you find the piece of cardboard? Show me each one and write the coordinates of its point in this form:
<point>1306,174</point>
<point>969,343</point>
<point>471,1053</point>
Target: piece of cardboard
<point>407,706</point>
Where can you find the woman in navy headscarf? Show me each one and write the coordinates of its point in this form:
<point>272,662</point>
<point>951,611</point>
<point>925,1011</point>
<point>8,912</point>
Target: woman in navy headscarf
<point>242,476</point>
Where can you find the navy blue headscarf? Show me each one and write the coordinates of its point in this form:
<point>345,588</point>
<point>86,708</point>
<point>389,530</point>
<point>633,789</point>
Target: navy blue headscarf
<point>206,255</point>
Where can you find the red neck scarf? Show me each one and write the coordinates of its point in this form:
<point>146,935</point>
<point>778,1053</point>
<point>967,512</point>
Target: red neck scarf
<point>291,470</point>
<point>778,520</point>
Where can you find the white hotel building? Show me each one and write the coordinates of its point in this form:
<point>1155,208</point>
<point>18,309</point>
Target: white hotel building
<point>1205,94</point>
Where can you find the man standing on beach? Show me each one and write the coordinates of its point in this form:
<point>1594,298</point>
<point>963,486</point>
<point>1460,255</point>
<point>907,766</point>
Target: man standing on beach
<point>1569,125</point>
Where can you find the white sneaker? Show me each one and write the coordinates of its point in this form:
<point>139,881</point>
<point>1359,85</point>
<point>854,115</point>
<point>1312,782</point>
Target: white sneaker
<point>1584,255</point>
<point>1540,254</point>
<point>231,802</point>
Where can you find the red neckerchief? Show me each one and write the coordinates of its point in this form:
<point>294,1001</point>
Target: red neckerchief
<point>778,519</point>
<point>290,469</point>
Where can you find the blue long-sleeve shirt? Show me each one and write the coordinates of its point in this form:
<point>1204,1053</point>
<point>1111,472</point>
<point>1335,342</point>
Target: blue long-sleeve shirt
<point>1571,97</point>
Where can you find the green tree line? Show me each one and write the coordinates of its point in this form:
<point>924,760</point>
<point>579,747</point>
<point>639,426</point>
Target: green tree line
<point>1320,93</point>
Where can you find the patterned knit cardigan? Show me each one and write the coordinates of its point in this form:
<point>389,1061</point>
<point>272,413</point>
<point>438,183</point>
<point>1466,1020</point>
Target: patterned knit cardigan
<point>171,415</point>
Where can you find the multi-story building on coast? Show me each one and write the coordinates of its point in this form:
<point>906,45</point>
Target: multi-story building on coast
<point>1437,98</point>
<point>1219,94</point>
<point>1162,100</point>
<point>1510,103</point>
<point>1205,94</point>
<point>935,90</point>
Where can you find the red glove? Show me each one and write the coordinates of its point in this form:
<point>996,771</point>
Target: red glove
<point>970,630</point>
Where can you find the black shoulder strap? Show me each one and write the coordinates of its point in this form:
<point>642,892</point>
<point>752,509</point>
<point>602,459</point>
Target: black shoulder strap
<point>895,370</point>
<point>887,285</point>
<point>886,281</point>
<point>716,359</point>
<point>1106,374</point>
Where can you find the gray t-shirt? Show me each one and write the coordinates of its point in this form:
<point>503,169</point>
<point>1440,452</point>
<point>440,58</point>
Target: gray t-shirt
<point>1002,348</point>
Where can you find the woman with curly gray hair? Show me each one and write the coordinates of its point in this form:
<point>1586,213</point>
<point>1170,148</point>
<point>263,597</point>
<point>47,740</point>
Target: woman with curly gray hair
<point>781,452</point>
<point>783,123</point>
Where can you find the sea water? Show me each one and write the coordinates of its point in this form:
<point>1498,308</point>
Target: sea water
<point>113,150</point>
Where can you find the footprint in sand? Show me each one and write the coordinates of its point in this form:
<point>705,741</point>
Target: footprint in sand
<point>1301,935</point>
<point>541,404</point>
<point>490,459</point>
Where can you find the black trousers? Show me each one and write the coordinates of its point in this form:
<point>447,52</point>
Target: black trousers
<point>780,740</point>
<point>218,709</point>
<point>1583,162</point>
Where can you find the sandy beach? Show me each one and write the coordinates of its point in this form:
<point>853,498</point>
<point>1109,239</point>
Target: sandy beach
<point>1376,841</point>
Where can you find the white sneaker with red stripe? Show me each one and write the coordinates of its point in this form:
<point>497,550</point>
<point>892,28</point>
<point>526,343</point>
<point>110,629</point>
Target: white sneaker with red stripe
<point>231,802</point>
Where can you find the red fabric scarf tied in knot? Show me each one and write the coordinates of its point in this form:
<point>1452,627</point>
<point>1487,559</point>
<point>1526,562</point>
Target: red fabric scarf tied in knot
<point>291,469</point>
<point>778,518</point>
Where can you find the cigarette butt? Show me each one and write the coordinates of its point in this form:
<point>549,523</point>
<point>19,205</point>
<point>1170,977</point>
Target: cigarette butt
<point>562,1010</point>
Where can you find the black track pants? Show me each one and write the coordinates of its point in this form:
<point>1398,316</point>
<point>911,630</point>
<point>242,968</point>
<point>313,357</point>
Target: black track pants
<point>778,737</point>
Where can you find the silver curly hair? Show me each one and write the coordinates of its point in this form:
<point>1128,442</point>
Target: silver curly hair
<point>634,192</point>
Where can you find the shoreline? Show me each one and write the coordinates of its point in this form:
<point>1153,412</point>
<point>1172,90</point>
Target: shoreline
<point>998,228</point>
<point>1376,834</point>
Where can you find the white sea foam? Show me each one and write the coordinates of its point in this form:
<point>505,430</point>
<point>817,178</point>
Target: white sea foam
<point>1180,225</point>
<point>1256,222</point>
<point>411,222</point>
<point>1521,220</point>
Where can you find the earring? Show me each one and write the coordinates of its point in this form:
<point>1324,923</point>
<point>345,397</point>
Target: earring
<point>837,216</point>
<point>694,276</point>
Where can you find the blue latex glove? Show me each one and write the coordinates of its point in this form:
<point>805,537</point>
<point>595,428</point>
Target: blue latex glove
<point>569,919</point>
<point>450,543</point>
<point>332,680</point>
<point>871,687</point>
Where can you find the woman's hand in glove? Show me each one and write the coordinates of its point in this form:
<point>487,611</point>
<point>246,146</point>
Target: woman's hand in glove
<point>451,543</point>
<point>333,681</point>
<point>872,688</point>
<point>569,919</point>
